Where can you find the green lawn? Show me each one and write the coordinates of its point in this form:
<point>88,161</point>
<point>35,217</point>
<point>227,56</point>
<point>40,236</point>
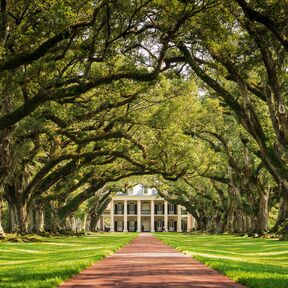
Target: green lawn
<point>257,263</point>
<point>46,264</point>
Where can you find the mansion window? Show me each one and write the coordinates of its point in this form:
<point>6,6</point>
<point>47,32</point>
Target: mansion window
<point>145,208</point>
<point>159,209</point>
<point>159,225</point>
<point>171,208</point>
<point>171,226</point>
<point>131,226</point>
<point>119,208</point>
<point>132,208</point>
<point>119,226</point>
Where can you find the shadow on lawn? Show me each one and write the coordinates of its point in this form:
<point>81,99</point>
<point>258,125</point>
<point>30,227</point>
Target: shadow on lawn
<point>46,264</point>
<point>33,277</point>
<point>253,275</point>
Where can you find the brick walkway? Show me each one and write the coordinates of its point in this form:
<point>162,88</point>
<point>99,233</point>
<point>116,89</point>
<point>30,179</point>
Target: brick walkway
<point>146,262</point>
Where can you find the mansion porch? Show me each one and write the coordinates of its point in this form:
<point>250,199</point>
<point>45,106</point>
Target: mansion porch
<point>146,213</point>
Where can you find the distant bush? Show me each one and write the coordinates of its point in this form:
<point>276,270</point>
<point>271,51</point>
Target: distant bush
<point>23,238</point>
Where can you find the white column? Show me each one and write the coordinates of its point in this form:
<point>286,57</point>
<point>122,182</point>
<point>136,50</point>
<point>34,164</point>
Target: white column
<point>165,216</point>
<point>101,224</point>
<point>189,222</point>
<point>125,217</point>
<point>138,215</point>
<point>112,216</point>
<point>179,229</point>
<point>193,222</point>
<point>152,216</point>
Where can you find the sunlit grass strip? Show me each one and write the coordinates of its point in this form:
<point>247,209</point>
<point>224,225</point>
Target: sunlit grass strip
<point>47,264</point>
<point>257,263</point>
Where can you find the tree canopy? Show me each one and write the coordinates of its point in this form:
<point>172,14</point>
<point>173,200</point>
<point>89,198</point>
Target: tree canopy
<point>98,94</point>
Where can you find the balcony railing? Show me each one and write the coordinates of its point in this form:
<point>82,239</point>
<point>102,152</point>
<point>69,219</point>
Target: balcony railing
<point>172,212</point>
<point>118,212</point>
<point>145,211</point>
<point>132,212</point>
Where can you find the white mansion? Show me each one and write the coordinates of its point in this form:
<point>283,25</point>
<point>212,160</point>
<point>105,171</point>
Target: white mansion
<point>143,210</point>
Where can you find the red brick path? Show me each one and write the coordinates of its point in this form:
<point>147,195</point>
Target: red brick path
<point>146,262</point>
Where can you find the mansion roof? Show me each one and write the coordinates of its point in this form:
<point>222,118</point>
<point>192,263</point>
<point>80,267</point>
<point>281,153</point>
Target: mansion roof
<point>139,190</point>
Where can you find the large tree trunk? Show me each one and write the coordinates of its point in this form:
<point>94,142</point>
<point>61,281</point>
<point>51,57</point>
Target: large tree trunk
<point>70,224</point>
<point>64,226</point>
<point>231,214</point>
<point>36,220</point>
<point>52,221</point>
<point>18,219</point>
<point>12,220</point>
<point>22,218</point>
<point>202,221</point>
<point>17,205</point>
<point>283,208</point>
<point>94,218</point>
<point>84,221</point>
<point>39,220</point>
<point>239,225</point>
<point>2,234</point>
<point>99,204</point>
<point>249,222</point>
<point>5,134</point>
<point>262,217</point>
<point>5,142</point>
<point>220,224</point>
<point>211,225</point>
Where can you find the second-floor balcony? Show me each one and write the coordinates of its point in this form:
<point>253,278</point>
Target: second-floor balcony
<point>132,212</point>
<point>159,212</point>
<point>145,211</point>
<point>172,212</point>
<point>118,212</point>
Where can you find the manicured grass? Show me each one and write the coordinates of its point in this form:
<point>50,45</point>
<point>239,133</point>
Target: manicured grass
<point>257,263</point>
<point>46,264</point>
